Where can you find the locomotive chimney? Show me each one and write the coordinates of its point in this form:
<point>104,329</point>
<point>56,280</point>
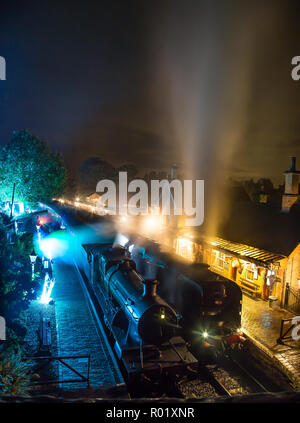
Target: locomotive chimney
<point>150,287</point>
<point>292,164</point>
<point>291,187</point>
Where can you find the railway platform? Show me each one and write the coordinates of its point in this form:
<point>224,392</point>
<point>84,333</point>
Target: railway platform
<point>262,324</point>
<point>80,334</point>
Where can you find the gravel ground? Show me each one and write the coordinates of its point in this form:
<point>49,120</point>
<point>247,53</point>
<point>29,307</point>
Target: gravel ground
<point>197,388</point>
<point>233,382</point>
<point>230,378</point>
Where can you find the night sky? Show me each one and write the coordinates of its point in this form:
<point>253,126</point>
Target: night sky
<point>206,84</point>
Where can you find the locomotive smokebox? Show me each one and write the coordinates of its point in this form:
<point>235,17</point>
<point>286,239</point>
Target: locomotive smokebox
<point>150,287</point>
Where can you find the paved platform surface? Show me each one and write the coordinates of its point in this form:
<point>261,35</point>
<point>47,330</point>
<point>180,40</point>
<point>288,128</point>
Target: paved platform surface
<point>262,323</point>
<point>78,333</point>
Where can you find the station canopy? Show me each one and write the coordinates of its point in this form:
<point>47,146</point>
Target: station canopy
<point>245,251</point>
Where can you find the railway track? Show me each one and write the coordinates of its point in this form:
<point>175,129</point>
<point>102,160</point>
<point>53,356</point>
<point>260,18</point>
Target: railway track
<point>230,378</point>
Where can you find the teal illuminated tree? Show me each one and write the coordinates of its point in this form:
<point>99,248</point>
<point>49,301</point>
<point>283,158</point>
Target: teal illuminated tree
<point>39,173</point>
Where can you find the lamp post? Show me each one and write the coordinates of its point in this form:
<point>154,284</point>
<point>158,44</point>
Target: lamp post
<point>33,258</point>
<point>38,227</point>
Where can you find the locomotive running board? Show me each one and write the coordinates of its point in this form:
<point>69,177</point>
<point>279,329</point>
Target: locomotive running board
<point>174,358</point>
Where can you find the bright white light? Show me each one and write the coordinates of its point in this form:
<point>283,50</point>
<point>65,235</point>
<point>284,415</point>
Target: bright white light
<point>124,218</point>
<point>52,247</point>
<point>21,207</point>
<point>205,334</point>
<point>47,289</point>
<point>151,223</point>
<point>131,248</point>
<point>121,240</point>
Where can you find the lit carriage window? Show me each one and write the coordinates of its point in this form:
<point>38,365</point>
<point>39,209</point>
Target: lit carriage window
<point>223,261</point>
<point>251,272</point>
<point>185,248</point>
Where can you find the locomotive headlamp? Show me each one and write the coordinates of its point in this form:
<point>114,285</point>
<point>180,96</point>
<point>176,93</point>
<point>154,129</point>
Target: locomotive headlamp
<point>205,334</point>
<point>162,313</point>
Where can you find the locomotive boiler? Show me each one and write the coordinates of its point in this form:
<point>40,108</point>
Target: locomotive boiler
<point>145,315</point>
<point>143,326</point>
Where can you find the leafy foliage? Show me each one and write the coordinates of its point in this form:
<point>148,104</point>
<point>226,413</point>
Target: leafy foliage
<point>14,375</point>
<point>16,291</point>
<point>16,287</point>
<point>38,173</point>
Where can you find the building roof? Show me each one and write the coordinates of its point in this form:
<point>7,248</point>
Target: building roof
<point>93,194</point>
<point>256,226</point>
<point>262,226</point>
<point>245,251</point>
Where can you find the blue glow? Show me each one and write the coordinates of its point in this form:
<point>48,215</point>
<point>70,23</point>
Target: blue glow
<point>52,247</point>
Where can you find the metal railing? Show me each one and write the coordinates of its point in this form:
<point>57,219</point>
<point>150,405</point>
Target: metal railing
<point>285,330</point>
<point>292,300</point>
<point>61,359</point>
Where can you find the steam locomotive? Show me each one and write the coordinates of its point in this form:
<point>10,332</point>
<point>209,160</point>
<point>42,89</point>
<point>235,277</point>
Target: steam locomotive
<point>156,307</point>
<point>209,305</point>
<point>143,326</point>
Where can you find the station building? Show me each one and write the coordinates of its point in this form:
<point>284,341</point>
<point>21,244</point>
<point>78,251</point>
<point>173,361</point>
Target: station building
<point>258,247</point>
<point>93,198</point>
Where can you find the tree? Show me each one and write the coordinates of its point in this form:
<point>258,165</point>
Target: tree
<point>91,171</point>
<point>131,170</point>
<point>38,173</point>
<point>16,287</point>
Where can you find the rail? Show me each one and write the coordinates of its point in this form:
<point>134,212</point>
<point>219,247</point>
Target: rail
<point>215,383</point>
<point>61,359</point>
